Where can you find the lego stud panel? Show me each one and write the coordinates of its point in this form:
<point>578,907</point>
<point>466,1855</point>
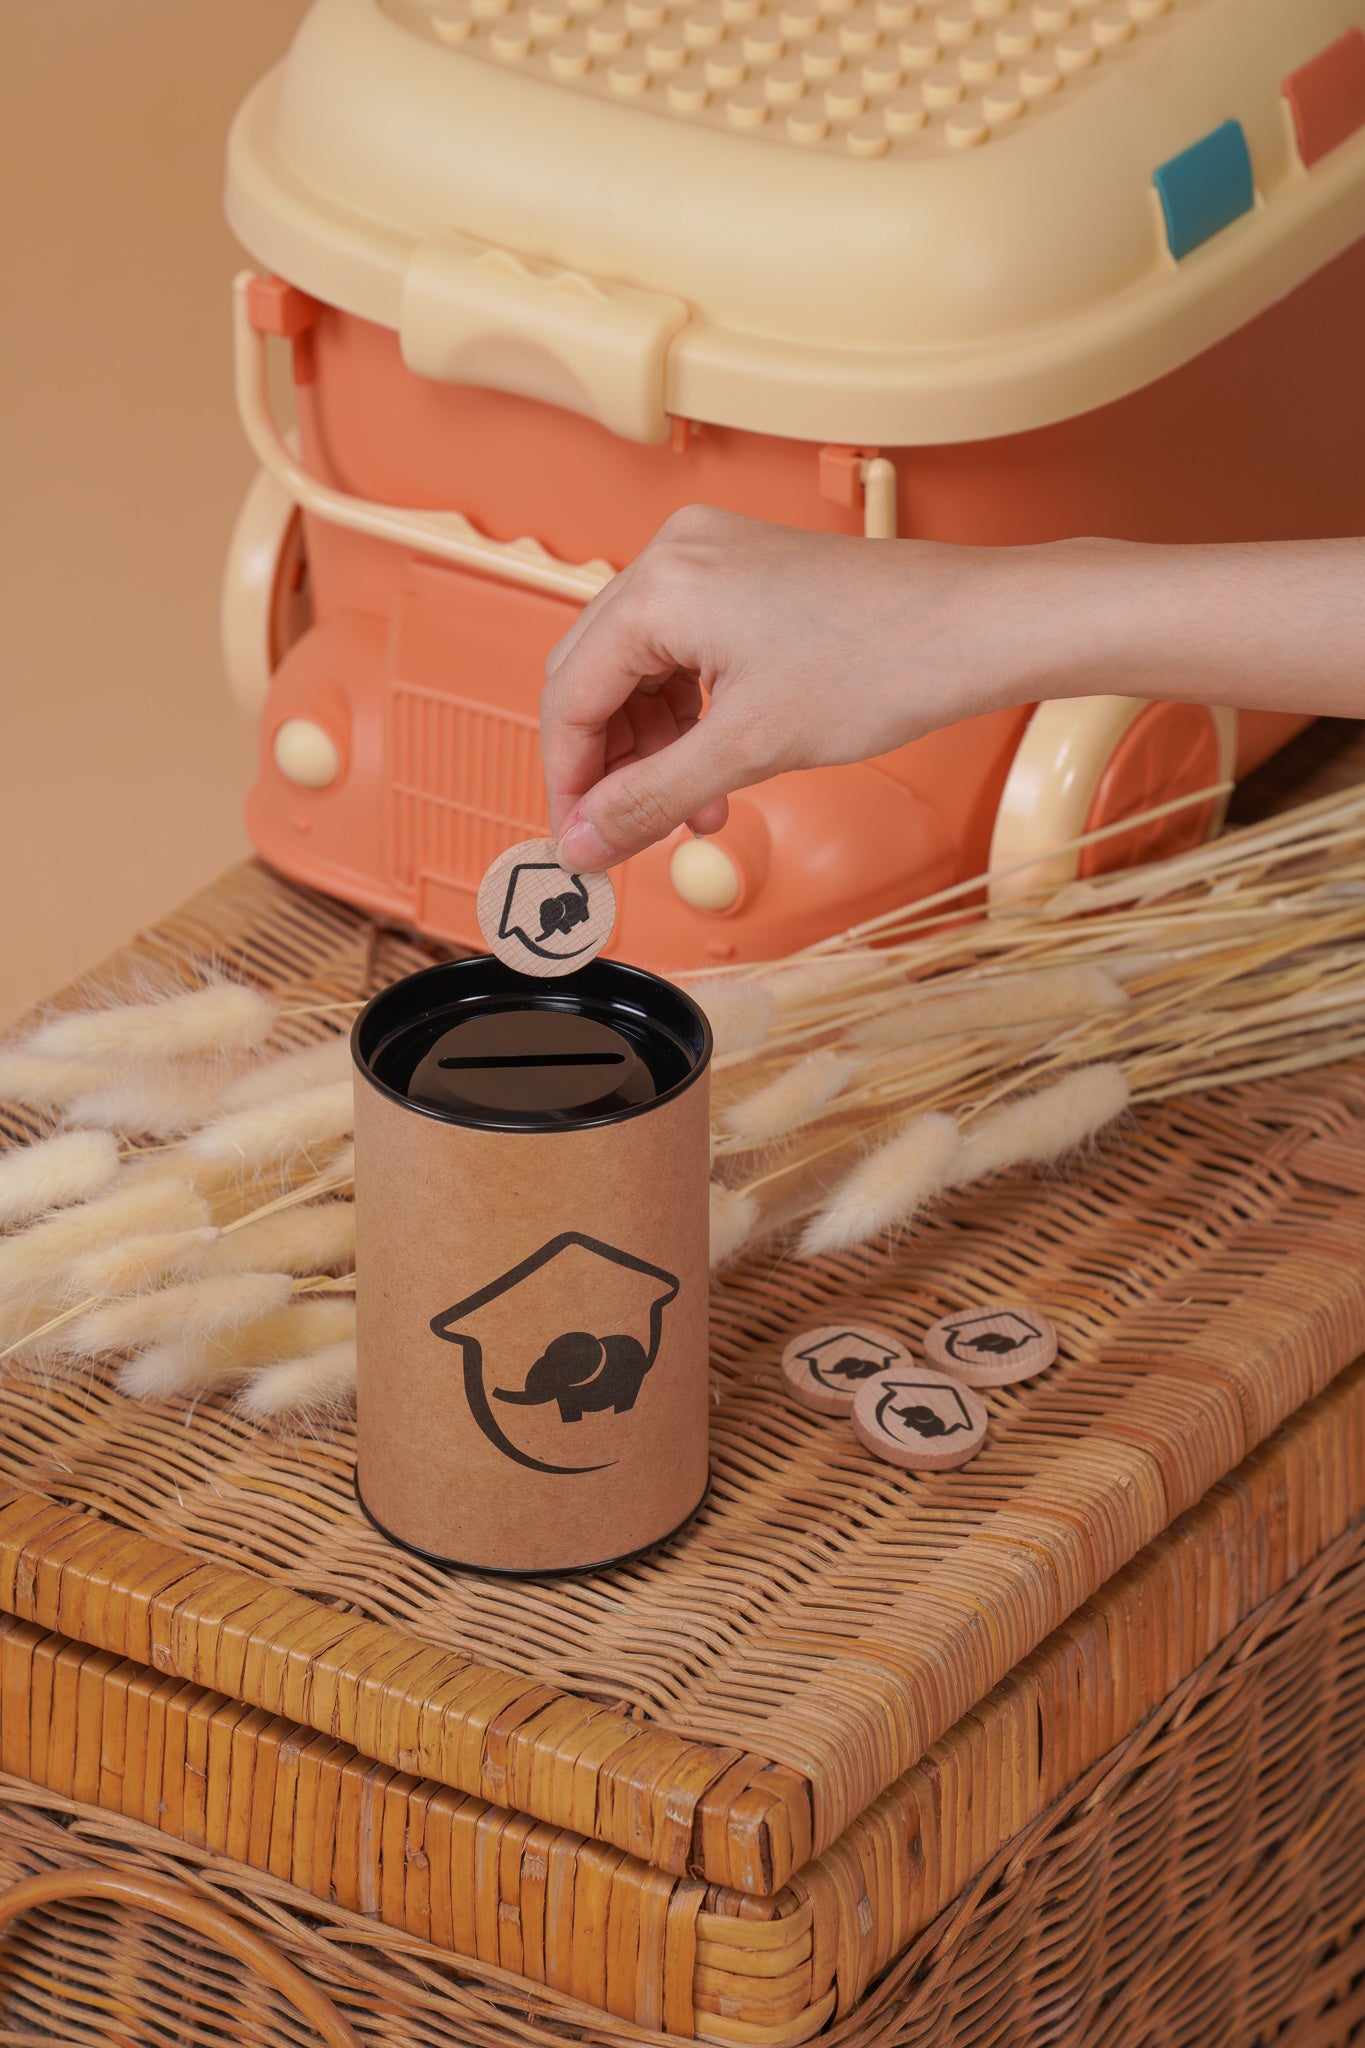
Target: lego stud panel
<point>975,216</point>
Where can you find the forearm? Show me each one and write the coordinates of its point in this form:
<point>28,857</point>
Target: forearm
<point>1276,625</point>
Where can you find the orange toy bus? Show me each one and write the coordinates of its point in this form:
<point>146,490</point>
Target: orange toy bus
<point>991,271</point>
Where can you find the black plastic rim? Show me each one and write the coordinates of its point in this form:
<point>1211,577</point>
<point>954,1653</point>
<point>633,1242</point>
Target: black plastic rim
<point>565,1571</point>
<point>655,1008</point>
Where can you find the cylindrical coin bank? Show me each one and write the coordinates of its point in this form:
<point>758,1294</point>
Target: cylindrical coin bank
<point>531,1207</point>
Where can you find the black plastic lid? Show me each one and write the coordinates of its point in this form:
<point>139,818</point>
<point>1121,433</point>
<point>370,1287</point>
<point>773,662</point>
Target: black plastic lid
<point>471,1042</point>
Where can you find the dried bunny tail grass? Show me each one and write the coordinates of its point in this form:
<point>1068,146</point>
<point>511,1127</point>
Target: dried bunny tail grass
<point>275,1131</point>
<point>1037,1128</point>
<point>188,1365</point>
<point>30,1261</point>
<point>734,1218</point>
<point>887,1186</point>
<point>155,1102</point>
<point>46,1084</point>
<point>1005,1001</point>
<point>797,1095</point>
<point>807,981</point>
<point>739,1010</point>
<point>137,1262</point>
<point>321,1380</point>
<point>222,1018</point>
<point>196,1308</point>
<point>72,1167</point>
<point>307,1239</point>
<point>314,1067</point>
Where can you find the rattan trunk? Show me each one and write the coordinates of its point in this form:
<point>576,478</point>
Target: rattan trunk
<point>1059,1747</point>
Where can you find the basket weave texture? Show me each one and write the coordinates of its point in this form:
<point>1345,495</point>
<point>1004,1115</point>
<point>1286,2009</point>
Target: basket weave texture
<point>1203,1886</point>
<point>719,1790</point>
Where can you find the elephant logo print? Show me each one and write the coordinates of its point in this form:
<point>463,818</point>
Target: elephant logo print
<point>928,1409</point>
<point>541,913</point>
<point>519,1358</point>
<point>996,1335</point>
<point>843,1361</point>
<point>581,1373</point>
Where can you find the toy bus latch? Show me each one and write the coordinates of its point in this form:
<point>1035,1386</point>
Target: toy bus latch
<point>849,476</point>
<point>274,307</point>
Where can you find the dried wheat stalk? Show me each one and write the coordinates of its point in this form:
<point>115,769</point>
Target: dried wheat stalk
<point>854,1084</point>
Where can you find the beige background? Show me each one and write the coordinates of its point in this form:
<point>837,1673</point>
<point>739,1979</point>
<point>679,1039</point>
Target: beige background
<point>123,760</point>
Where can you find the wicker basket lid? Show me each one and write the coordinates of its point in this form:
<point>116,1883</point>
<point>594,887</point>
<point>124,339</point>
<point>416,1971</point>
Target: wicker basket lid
<point>894,221</point>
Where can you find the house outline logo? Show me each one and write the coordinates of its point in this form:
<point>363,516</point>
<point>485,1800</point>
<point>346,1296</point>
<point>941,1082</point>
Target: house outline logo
<point>853,1344</point>
<point>959,1344</point>
<point>621,1396</point>
<point>526,904</point>
<point>950,1395</point>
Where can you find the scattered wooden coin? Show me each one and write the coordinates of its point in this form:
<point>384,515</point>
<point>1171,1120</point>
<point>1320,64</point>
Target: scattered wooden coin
<point>920,1420</point>
<point>824,1368</point>
<point>541,918</point>
<point>992,1345</point>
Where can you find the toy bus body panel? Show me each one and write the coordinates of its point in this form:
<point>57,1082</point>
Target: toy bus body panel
<point>406,712</point>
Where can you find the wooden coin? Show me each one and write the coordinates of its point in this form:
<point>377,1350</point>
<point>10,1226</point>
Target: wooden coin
<point>824,1368</point>
<point>992,1345</point>
<point>920,1420</point>
<point>539,917</point>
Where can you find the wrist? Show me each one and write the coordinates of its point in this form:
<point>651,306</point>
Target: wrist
<point>1075,620</point>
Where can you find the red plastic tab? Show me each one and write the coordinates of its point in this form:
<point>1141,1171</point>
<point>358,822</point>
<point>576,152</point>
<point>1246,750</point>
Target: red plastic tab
<point>841,474</point>
<point>1327,96</point>
<point>279,308</point>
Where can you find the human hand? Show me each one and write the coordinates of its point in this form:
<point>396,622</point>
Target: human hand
<point>813,648</point>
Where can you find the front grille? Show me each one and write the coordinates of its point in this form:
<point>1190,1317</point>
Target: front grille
<point>465,784</point>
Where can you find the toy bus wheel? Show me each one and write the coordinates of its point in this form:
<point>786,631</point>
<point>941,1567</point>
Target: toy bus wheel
<point>1094,761</point>
<point>266,602</point>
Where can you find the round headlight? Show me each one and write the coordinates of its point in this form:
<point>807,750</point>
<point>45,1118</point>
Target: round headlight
<point>306,753</point>
<point>704,875</point>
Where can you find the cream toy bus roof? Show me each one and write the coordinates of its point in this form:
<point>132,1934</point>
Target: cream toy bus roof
<point>869,221</point>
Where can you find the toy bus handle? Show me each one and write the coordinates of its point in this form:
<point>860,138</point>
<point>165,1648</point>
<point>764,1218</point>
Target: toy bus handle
<point>447,536</point>
<point>470,313</point>
<point>186,1909</point>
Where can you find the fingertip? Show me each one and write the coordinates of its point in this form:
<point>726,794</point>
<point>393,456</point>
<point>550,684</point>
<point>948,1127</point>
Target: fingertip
<point>580,846</point>
<point>710,818</point>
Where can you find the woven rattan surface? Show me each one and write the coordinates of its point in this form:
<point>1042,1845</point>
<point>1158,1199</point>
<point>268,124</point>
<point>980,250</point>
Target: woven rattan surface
<point>1203,1886</point>
<point>269,1775</point>
<point>824,1613</point>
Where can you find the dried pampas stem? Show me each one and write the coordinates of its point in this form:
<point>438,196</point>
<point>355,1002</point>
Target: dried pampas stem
<point>293,1126</point>
<point>319,1380</point>
<point>304,1239</point>
<point>72,1167</point>
<point>196,1308</point>
<point>1037,1128</point>
<point>739,1011</point>
<point>316,1066</point>
<point>136,1262</point>
<point>1004,1001</point>
<point>156,1205</point>
<point>224,1017</point>
<point>790,1100</point>
<point>734,1214</point>
<point>339,1174</point>
<point>886,1187</point>
<point>189,1365</point>
<point>156,1102</point>
<point>43,1083</point>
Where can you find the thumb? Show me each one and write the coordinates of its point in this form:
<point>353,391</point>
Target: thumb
<point>643,802</point>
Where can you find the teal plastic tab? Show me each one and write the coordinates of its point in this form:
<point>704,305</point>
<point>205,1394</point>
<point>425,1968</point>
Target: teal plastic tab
<point>1206,188</point>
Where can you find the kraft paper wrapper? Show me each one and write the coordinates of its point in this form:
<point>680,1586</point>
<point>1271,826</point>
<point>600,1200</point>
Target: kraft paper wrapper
<point>510,1239</point>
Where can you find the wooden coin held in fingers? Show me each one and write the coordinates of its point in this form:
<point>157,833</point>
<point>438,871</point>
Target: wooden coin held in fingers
<point>993,1345</point>
<point>541,918</point>
<point>919,1420</point>
<point>824,1368</point>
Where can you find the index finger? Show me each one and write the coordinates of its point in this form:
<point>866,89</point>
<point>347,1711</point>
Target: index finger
<point>612,654</point>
